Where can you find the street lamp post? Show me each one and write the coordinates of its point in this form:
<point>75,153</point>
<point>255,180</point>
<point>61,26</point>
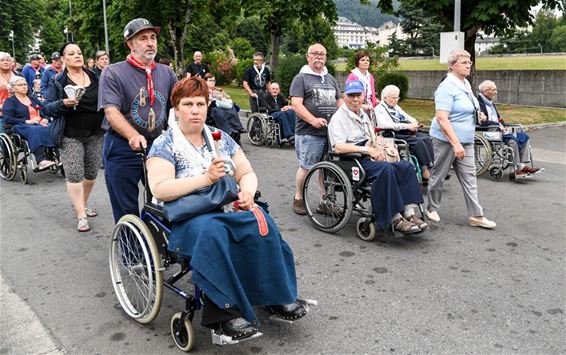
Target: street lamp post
<point>11,38</point>
<point>105,28</point>
<point>66,32</point>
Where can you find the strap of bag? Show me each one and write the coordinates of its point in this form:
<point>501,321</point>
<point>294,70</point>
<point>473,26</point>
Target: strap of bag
<point>261,221</point>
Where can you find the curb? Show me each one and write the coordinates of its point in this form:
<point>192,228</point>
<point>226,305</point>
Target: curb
<point>534,127</point>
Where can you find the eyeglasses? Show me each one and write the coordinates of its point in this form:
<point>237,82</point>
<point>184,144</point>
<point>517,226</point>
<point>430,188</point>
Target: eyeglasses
<point>318,54</point>
<point>394,97</point>
<point>210,79</point>
<point>466,62</point>
<point>22,84</point>
<point>6,60</point>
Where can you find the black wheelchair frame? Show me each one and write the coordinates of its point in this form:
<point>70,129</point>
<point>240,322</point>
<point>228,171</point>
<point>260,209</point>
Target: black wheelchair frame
<point>15,156</point>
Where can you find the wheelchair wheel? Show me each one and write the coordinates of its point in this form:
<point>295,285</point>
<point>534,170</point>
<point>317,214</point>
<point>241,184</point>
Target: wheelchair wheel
<point>8,158</point>
<point>182,332</point>
<point>24,174</point>
<point>366,231</point>
<point>483,154</point>
<point>257,129</point>
<point>496,173</point>
<point>135,267</point>
<point>328,197</point>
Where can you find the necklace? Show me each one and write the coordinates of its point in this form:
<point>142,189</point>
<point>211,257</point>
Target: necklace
<point>83,79</point>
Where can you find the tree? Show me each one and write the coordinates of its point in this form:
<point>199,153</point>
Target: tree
<point>278,15</point>
<point>23,17</point>
<point>491,16</point>
<point>558,39</point>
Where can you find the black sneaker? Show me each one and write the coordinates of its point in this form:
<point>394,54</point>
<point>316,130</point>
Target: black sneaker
<point>238,328</point>
<point>288,311</point>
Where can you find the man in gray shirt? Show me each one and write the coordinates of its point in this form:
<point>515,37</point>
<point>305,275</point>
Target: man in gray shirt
<point>315,97</point>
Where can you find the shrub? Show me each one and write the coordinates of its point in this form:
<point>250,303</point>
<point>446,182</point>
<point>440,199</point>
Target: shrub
<point>241,67</point>
<point>222,65</point>
<point>394,78</point>
<point>380,62</point>
<point>288,67</point>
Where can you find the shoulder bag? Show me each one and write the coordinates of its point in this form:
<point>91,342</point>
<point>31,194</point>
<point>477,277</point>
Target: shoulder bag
<point>388,147</point>
<point>202,201</point>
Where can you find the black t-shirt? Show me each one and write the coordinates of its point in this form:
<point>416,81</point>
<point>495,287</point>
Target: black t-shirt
<point>85,119</point>
<point>197,69</point>
<point>256,81</point>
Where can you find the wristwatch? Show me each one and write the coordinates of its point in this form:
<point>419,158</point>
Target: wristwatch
<point>364,150</point>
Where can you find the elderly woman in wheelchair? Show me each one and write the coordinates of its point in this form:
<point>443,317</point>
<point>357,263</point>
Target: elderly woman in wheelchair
<point>239,259</point>
<point>21,113</point>
<point>395,190</point>
<point>390,116</point>
<point>518,151</point>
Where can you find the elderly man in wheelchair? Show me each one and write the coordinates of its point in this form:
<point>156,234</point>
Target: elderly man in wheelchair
<point>395,190</point>
<point>238,258</point>
<point>499,145</point>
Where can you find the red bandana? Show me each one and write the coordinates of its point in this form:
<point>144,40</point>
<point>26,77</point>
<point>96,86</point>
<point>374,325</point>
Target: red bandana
<point>148,72</point>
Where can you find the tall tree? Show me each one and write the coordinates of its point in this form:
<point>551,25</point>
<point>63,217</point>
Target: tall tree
<point>278,15</point>
<point>24,18</point>
<point>491,16</point>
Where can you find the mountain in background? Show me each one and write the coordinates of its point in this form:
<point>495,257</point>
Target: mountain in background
<point>365,15</point>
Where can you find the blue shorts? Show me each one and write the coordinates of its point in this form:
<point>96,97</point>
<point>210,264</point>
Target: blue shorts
<point>309,149</point>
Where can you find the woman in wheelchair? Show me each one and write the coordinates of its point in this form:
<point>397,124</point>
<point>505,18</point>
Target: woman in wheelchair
<point>519,142</point>
<point>222,109</point>
<point>392,117</point>
<point>395,189</point>
<point>21,112</point>
<point>236,266</point>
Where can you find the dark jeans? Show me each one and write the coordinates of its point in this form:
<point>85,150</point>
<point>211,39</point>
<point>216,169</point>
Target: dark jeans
<point>254,101</point>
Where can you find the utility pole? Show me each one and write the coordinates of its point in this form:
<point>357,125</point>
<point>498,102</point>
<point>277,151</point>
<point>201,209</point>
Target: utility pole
<point>107,47</point>
<point>71,17</point>
<point>11,38</point>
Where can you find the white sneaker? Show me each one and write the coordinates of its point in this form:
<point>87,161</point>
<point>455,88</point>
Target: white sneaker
<point>433,216</point>
<point>481,222</point>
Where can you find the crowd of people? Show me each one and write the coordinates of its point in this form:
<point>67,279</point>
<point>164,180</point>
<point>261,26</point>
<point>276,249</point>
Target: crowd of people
<point>124,109</point>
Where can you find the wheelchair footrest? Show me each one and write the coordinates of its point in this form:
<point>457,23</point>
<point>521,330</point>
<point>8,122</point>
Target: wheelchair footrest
<point>222,339</point>
<point>305,302</point>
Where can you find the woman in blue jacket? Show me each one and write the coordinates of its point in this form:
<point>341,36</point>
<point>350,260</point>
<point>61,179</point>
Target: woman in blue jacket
<point>21,112</point>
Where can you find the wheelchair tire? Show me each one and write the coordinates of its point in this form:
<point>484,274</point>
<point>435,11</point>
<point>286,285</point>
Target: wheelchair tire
<point>8,158</point>
<point>182,334</point>
<point>366,233</point>
<point>496,173</point>
<point>257,129</point>
<point>135,268</point>
<point>24,174</point>
<point>483,154</point>
<point>328,210</point>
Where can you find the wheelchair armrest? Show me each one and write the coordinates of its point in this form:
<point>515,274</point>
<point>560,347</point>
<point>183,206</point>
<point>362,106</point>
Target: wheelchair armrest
<point>387,133</point>
<point>346,155</point>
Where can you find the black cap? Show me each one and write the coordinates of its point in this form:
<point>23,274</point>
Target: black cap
<point>138,25</point>
<point>55,55</point>
<point>34,57</point>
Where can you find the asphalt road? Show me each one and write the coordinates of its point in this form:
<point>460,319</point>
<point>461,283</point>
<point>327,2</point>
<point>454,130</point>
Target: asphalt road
<point>455,289</point>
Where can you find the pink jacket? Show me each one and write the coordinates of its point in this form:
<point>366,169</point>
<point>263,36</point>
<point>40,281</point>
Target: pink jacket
<point>374,100</point>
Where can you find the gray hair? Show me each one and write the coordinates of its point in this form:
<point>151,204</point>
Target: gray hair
<point>15,79</point>
<point>258,54</point>
<point>5,55</point>
<point>455,55</point>
<point>388,91</point>
<point>486,85</point>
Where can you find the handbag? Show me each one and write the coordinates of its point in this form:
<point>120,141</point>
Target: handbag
<point>388,147</point>
<point>201,201</point>
<point>56,128</point>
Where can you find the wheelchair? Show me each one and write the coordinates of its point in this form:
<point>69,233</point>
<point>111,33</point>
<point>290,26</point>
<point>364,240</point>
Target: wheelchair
<point>210,121</point>
<point>15,156</point>
<point>264,129</point>
<point>339,183</point>
<point>138,260</point>
<point>494,155</point>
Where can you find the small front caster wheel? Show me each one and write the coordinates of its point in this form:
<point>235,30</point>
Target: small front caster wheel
<point>182,332</point>
<point>367,231</point>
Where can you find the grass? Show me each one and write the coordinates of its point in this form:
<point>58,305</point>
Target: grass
<point>539,62</point>
<point>423,110</point>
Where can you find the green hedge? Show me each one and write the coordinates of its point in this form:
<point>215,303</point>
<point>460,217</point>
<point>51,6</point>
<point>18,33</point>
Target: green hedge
<point>393,78</point>
<point>288,67</point>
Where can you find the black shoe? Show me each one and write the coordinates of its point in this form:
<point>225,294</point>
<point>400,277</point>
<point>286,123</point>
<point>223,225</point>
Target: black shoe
<point>288,311</point>
<point>238,328</point>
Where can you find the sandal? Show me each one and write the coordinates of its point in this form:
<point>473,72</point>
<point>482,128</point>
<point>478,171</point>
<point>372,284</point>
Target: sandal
<point>403,226</point>
<point>419,222</point>
<point>82,224</point>
<point>90,212</point>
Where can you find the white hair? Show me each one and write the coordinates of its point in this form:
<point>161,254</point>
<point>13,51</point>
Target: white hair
<point>389,90</point>
<point>455,55</point>
<point>15,79</point>
<point>5,55</point>
<point>486,85</point>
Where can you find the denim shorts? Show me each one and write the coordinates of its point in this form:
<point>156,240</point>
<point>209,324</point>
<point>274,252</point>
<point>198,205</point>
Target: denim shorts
<point>309,149</point>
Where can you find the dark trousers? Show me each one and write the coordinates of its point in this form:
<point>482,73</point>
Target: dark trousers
<point>226,120</point>
<point>123,170</point>
<point>286,122</point>
<point>420,145</point>
<point>212,315</point>
<point>394,185</point>
<point>259,100</point>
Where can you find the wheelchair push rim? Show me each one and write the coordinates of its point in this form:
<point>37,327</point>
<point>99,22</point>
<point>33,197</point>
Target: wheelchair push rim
<point>135,269</point>
<point>8,158</point>
<point>328,197</point>
<point>257,129</point>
